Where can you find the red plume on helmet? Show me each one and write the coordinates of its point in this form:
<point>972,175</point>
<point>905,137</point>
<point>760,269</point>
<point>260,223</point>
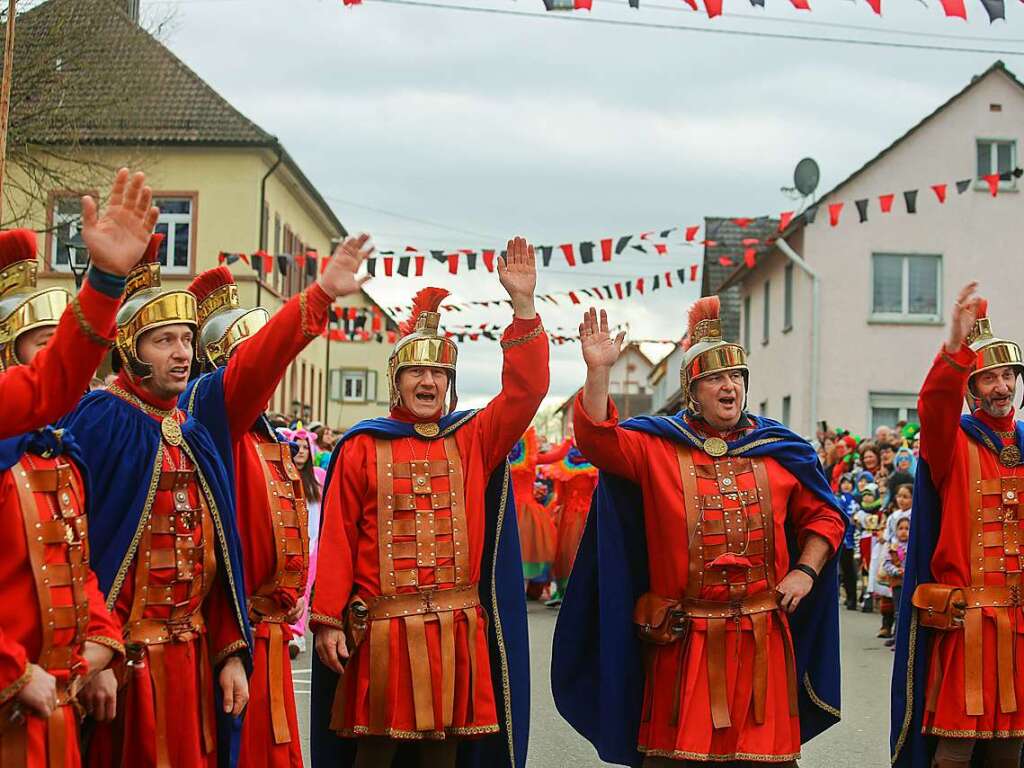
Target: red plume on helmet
<point>209,281</point>
<point>427,300</point>
<point>706,308</point>
<point>17,245</point>
<point>152,250</point>
<point>982,308</point>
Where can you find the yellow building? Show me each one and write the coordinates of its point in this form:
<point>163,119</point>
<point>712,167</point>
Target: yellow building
<point>222,183</point>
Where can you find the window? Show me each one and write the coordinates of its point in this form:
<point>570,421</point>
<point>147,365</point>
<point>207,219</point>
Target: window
<point>175,224</point>
<point>890,408</point>
<point>765,320</point>
<point>996,156</point>
<point>746,323</point>
<point>762,409</point>
<point>906,287</point>
<point>787,316</point>
<point>265,234</point>
<point>787,405</point>
<point>349,385</point>
<point>67,221</point>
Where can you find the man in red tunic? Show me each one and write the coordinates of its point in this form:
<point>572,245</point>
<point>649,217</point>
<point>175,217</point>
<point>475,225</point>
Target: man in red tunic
<point>717,503</point>
<point>55,631</point>
<point>272,510</point>
<point>404,531</point>
<point>965,631</point>
<point>38,392</point>
<point>165,546</point>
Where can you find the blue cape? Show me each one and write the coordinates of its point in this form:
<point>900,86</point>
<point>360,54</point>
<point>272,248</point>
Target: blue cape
<point>119,447</point>
<point>43,441</point>
<point>908,747</point>
<point>597,675</point>
<point>501,594</point>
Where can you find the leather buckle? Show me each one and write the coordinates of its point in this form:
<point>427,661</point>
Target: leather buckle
<point>181,629</point>
<point>426,595</point>
<point>735,608</point>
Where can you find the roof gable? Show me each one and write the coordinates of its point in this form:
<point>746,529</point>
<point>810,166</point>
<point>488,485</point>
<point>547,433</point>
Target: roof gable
<point>113,82</point>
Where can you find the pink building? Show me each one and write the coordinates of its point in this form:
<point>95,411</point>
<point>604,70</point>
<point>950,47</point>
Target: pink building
<point>856,356</point>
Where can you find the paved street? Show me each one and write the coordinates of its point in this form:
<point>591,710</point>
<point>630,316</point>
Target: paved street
<point>860,741</point>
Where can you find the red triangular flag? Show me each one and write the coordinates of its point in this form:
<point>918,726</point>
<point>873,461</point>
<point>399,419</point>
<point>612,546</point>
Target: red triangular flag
<point>392,337</point>
<point>834,209</point>
<point>993,183</point>
<point>801,5</point>
<point>453,263</point>
<point>606,249</point>
<point>389,265</point>
<point>876,6</point>
<point>668,279</point>
<point>749,257</point>
<point>570,257</point>
<point>940,192</point>
<point>784,219</point>
<point>661,248</point>
<point>885,201</point>
<point>714,8</point>
<point>691,233</point>
<point>693,272</point>
<point>221,257</point>
<point>583,5</point>
<point>419,264</point>
<point>618,290</point>
<point>954,8</point>
<point>300,259</point>
<point>574,298</point>
<point>640,284</point>
<point>489,260</point>
<point>725,261</point>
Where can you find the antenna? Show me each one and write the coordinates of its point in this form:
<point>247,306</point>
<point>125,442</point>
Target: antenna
<point>806,176</point>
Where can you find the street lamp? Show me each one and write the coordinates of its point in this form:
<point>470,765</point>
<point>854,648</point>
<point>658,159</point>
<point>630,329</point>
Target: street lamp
<point>75,244</point>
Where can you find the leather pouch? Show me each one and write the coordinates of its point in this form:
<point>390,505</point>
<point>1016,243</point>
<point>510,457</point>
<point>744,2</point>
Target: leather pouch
<point>659,620</point>
<point>940,606</point>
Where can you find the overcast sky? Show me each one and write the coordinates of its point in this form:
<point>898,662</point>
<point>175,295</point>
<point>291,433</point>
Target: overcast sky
<point>487,125</point>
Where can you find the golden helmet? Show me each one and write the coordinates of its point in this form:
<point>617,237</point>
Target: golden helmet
<point>23,306</point>
<point>223,323</point>
<point>708,353</point>
<point>989,351</point>
<point>422,344</point>
<point>147,306</point>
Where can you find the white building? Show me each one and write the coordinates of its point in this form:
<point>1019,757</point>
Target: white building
<point>886,285</point>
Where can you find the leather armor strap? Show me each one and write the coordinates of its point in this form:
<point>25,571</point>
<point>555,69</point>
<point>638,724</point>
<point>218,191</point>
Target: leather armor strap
<point>425,468</point>
<point>691,503</point>
<point>386,521</point>
<point>275,680</point>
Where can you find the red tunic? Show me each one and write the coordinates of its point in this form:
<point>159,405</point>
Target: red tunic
<point>22,628</point>
<point>349,541</point>
<point>167,712</point>
<point>652,463</point>
<point>40,393</point>
<point>574,489</point>
<point>945,447</point>
<point>253,373</point>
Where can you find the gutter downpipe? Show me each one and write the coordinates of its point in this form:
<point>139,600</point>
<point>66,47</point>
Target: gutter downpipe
<point>795,257</point>
<point>263,222</point>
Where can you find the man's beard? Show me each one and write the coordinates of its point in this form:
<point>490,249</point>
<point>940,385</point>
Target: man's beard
<point>999,411</point>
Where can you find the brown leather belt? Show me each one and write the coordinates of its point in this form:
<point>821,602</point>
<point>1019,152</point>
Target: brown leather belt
<point>423,602</point>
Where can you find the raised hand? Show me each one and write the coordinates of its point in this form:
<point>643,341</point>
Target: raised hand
<point>118,237</point>
<point>518,275</point>
<point>600,350</point>
<point>339,276</point>
<point>966,309</point>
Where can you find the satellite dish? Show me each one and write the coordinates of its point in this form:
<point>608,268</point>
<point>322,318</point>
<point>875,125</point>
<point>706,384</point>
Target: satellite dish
<point>806,176</point>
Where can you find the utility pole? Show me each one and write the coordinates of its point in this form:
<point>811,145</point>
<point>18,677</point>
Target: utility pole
<point>5,94</point>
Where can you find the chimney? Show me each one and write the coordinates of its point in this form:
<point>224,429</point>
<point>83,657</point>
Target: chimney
<point>131,7</point>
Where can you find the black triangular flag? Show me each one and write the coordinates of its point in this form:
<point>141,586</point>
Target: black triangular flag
<point>282,264</point>
<point>862,209</point>
<point>759,3</point>
<point>231,258</point>
<point>438,256</point>
<point>471,260</point>
<point>963,185</point>
<point>657,283</point>
<point>403,265</point>
<point>545,254</point>
<point>587,253</point>
<point>811,214</point>
<point>311,261</point>
<point>629,287</point>
<point>634,3</point>
<point>910,198</point>
<point>371,267</point>
<point>620,246</point>
<point>665,233</point>
<point>586,292</point>
<point>995,9</point>
<point>639,248</point>
<point>608,290</point>
<point>681,274</point>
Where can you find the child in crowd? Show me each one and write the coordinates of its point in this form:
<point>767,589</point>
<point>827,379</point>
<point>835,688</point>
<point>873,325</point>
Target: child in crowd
<point>893,567</point>
<point>870,518</point>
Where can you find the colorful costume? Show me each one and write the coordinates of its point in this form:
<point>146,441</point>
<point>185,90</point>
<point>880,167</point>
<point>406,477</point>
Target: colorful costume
<point>165,547</point>
<point>426,575</point>
<point>575,480</point>
<point>960,622</point>
<point>723,675</point>
<point>51,604</point>
<point>40,392</point>
<point>537,532</point>
<point>271,506</point>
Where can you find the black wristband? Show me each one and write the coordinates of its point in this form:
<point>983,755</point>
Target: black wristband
<point>806,569</point>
